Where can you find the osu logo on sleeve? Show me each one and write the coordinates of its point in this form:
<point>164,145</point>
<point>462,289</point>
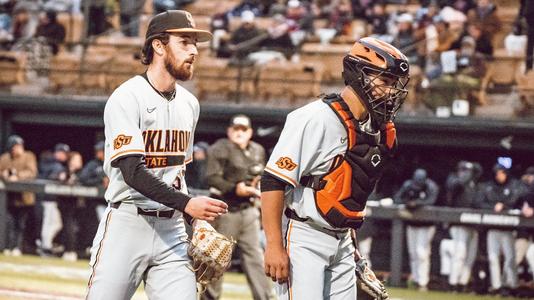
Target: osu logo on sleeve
<point>286,163</point>
<point>121,140</point>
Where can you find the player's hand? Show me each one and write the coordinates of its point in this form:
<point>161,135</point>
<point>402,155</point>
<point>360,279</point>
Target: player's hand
<point>277,263</point>
<point>243,190</point>
<point>205,208</point>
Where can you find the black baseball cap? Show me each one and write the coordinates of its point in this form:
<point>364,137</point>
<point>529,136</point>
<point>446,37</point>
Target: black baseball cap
<point>240,121</point>
<point>178,21</point>
<point>61,147</point>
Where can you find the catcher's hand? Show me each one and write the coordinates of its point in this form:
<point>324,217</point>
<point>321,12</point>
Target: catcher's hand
<point>368,282</point>
<point>210,251</point>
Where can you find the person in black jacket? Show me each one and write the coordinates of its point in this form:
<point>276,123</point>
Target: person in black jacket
<point>500,195</point>
<point>52,167</point>
<point>461,190</point>
<point>93,174</point>
<point>51,30</point>
<point>527,12</point>
<point>420,191</point>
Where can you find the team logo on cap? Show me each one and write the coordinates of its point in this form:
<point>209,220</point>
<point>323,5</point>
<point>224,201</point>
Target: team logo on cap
<point>190,19</point>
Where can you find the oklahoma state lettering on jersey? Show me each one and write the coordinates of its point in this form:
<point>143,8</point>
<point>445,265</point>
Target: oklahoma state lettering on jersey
<point>161,147</point>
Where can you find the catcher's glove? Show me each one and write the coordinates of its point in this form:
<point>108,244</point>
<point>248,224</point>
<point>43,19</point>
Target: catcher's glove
<point>368,282</point>
<point>210,251</point>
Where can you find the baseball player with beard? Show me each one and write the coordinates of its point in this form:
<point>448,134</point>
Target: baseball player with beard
<point>327,161</point>
<point>149,127</point>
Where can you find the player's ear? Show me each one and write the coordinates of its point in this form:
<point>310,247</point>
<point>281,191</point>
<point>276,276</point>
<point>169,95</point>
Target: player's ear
<point>157,45</point>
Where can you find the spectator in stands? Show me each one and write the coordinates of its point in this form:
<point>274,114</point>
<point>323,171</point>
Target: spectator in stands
<point>463,5</point>
<point>461,187</point>
<point>234,167</point>
<point>68,207</point>
<point>420,191</point>
<point>299,17</point>
<point>500,194</point>
<point>445,37</point>
<point>51,30</point>
<point>524,243</point>
<point>196,171</point>
<point>97,18</point>
<point>24,24</point>
<point>378,22</point>
<point>485,15</point>
<point>130,13</point>
<point>361,8</point>
<point>17,164</point>
<point>6,11</point>
<point>527,12</point>
<point>219,27</point>
<point>53,168</point>
<point>279,39</point>
<point>405,39</point>
<point>341,18</point>
<point>246,38</point>
<point>253,6</point>
<point>482,41</point>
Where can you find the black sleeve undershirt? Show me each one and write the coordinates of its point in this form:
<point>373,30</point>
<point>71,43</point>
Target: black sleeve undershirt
<point>137,176</point>
<point>271,183</point>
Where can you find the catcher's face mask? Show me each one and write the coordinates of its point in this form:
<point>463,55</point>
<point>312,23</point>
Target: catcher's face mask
<point>378,74</point>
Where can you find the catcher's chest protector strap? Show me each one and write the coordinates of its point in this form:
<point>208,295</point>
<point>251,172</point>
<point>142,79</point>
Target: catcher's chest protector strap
<point>341,193</point>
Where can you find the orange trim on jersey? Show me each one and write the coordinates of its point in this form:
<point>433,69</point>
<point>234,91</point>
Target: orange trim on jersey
<point>346,120</point>
<point>288,237</point>
<point>99,251</point>
<point>127,151</point>
<point>281,176</point>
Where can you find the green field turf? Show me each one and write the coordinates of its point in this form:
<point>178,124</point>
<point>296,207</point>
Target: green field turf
<point>31,277</point>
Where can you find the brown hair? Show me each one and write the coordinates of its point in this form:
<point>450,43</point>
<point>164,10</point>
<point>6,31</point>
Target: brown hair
<point>147,53</point>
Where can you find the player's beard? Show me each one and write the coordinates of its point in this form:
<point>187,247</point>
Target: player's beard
<point>179,72</point>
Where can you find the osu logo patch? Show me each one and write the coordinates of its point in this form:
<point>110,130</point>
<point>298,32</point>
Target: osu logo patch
<point>121,140</point>
<point>286,163</point>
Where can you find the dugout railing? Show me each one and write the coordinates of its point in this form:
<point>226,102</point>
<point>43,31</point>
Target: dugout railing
<point>396,213</point>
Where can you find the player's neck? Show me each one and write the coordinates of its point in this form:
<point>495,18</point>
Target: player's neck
<point>160,79</point>
<point>354,103</point>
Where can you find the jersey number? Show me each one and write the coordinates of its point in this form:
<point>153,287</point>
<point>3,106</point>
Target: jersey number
<point>121,140</point>
<point>286,163</point>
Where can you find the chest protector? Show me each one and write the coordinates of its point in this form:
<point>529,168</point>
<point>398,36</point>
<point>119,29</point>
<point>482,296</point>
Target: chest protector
<point>341,193</point>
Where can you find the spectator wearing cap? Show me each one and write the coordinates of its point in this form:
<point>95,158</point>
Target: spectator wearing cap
<point>341,18</point>
<point>405,38</point>
<point>244,40</point>
<point>499,195</point>
<point>377,20</point>
<point>279,38</point>
<point>420,191</point>
<point>461,192</point>
<point>54,168</point>
<point>196,171</point>
<point>17,164</point>
<point>299,17</point>
<point>234,167</point>
<point>524,246</point>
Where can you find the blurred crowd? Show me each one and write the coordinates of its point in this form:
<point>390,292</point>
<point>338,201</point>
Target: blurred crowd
<point>449,43</point>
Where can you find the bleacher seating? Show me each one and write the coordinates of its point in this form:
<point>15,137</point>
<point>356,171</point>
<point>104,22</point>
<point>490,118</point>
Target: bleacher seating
<point>13,66</point>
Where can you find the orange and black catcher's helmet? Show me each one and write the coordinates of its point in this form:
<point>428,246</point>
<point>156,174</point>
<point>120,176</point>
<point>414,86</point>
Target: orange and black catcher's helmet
<point>378,74</point>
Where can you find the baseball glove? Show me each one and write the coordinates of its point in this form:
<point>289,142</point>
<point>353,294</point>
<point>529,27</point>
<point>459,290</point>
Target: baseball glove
<point>210,251</point>
<point>368,282</point>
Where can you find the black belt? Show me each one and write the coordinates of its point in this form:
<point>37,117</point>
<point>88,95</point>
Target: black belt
<point>153,213</point>
<point>291,214</point>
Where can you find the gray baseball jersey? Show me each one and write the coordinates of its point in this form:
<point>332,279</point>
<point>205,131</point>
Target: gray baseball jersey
<point>139,121</point>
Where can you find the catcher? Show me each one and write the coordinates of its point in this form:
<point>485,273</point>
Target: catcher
<point>327,161</point>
